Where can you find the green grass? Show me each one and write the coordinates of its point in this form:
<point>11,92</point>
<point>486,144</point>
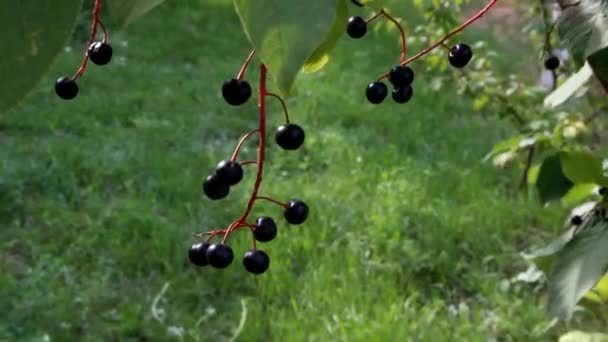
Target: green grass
<point>410,236</point>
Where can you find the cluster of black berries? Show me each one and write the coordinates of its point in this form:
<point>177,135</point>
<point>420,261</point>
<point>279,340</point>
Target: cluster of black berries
<point>229,173</point>
<point>401,76</point>
<point>99,53</point>
<point>256,261</point>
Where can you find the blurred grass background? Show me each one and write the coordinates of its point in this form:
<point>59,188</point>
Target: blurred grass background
<point>410,236</point>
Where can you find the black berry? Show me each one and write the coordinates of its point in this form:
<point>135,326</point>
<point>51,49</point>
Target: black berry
<point>576,220</point>
<point>400,76</point>
<point>289,136</point>
<point>376,92</point>
<point>256,261</point>
<point>552,62</point>
<point>215,188</point>
<point>460,55</point>
<point>402,94</point>
<point>66,88</point>
<point>356,27</point>
<point>229,171</point>
<point>198,254</point>
<point>602,191</point>
<point>100,53</point>
<point>265,229</point>
<point>219,255</point>
<point>236,92</point>
<point>296,212</point>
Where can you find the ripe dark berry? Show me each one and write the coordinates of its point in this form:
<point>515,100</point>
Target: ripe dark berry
<point>229,171</point>
<point>602,191</point>
<point>552,62</point>
<point>219,255</point>
<point>236,92</point>
<point>400,76</point>
<point>576,220</point>
<point>265,229</point>
<point>376,92</point>
<point>100,53</point>
<point>296,212</point>
<point>198,254</point>
<point>402,94</point>
<point>460,55</point>
<point>66,88</point>
<point>356,27</point>
<point>256,261</point>
<point>215,188</point>
<point>289,136</point>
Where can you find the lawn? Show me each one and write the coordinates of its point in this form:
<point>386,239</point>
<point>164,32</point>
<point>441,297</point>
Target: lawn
<point>410,236</point>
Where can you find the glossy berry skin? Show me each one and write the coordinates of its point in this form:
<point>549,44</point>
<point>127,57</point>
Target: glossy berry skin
<point>256,261</point>
<point>552,63</point>
<point>401,76</point>
<point>66,88</point>
<point>356,27</point>
<point>601,191</point>
<point>100,53</point>
<point>215,188</point>
<point>402,94</point>
<point>265,229</point>
<point>219,255</point>
<point>460,55</point>
<point>236,92</point>
<point>576,220</point>
<point>296,212</point>
<point>376,92</point>
<point>229,171</point>
<point>198,254</point>
<point>289,136</point>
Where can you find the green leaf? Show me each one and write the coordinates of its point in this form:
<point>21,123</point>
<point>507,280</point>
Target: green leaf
<point>584,28</point>
<point>581,167</point>
<point>33,33</point>
<point>599,63</point>
<point>578,266</point>
<point>124,12</point>
<point>581,336</point>
<point>569,88</point>
<point>286,33</point>
<point>510,144</point>
<point>578,193</point>
<point>320,56</point>
<point>551,183</point>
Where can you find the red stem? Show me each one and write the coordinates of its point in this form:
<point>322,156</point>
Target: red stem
<point>282,104</point>
<point>464,25</point>
<point>85,61</point>
<point>270,199</point>
<point>241,73</point>
<point>399,27</point>
<point>241,142</point>
<point>261,155</point>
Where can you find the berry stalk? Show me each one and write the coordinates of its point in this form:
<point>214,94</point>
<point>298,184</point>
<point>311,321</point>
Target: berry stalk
<point>96,22</point>
<point>241,221</point>
<point>450,34</point>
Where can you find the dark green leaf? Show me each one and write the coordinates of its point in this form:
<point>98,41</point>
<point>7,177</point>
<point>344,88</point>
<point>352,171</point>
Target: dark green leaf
<point>32,34</point>
<point>286,33</point>
<point>578,267</point>
<point>599,63</point>
<point>584,27</point>
<point>124,12</point>
<point>551,183</point>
